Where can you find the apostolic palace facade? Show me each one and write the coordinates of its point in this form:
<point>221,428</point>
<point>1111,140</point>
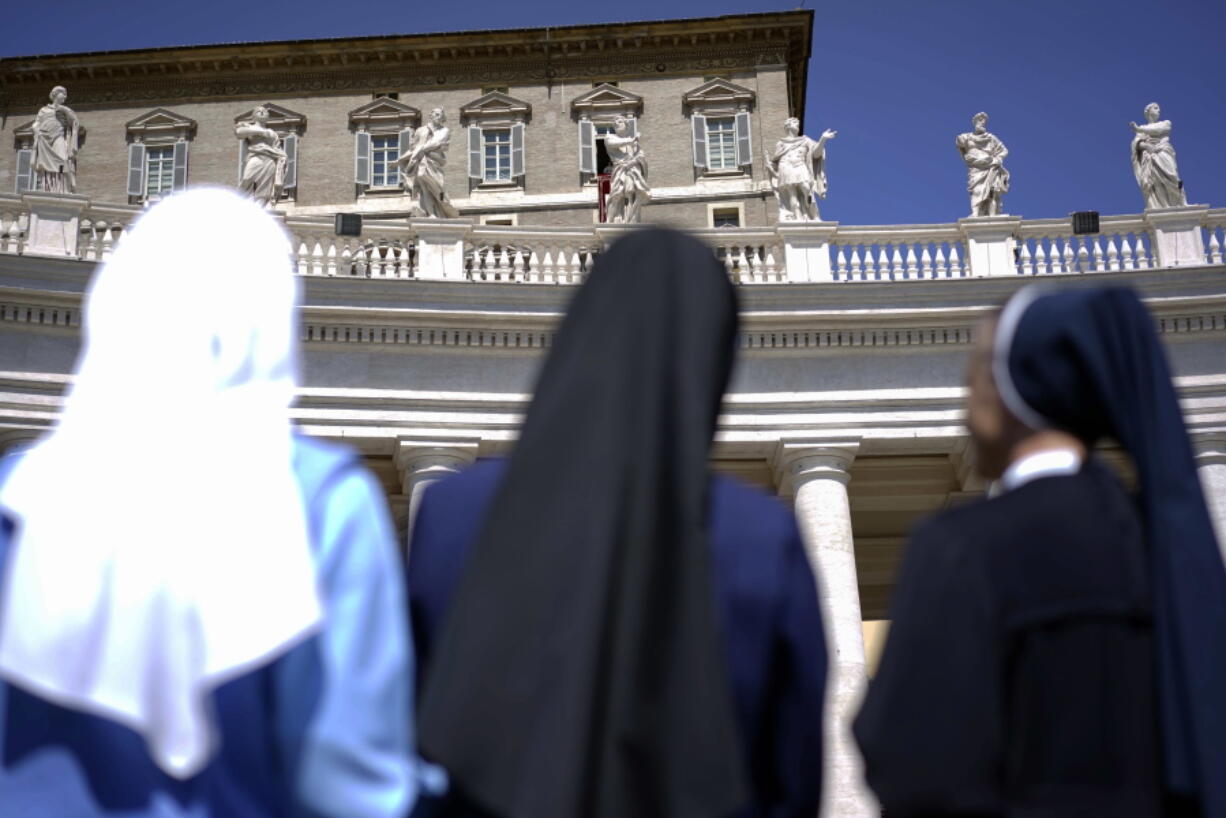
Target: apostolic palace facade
<point>422,334</point>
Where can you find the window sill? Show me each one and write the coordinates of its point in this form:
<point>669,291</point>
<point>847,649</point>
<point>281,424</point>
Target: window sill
<point>389,190</point>
<point>738,173</point>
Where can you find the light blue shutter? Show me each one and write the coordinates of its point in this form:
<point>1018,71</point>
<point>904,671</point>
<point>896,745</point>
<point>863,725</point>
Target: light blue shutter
<point>290,145</point>
<point>25,170</point>
<point>700,140</point>
<point>180,169</point>
<point>242,159</point>
<point>361,159</point>
<point>136,169</point>
<point>743,155</point>
<point>587,147</point>
<point>403,146</point>
<point>517,151</point>
<point>474,153</point>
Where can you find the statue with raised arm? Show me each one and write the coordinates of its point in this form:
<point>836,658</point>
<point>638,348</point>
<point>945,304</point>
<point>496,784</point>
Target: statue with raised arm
<point>628,188</point>
<point>1153,161</point>
<point>422,166</point>
<point>57,138</point>
<point>986,178</point>
<point>797,171</point>
<point>266,162</point>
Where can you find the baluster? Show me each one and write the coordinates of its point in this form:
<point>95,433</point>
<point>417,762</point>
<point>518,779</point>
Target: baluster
<point>840,264</point>
<point>1083,257</point>
<point>7,229</point>
<point>1040,256</point>
<point>1215,247</point>
<point>517,266</point>
<point>303,255</point>
<point>1127,259</point>
<point>574,265</point>
<point>1096,245</point>
<point>532,271</point>
<point>857,263</point>
<point>768,265</point>
<point>955,260</point>
<point>896,263</point>
<point>1068,259</point>
<point>941,265</point>
<point>347,257</point>
<point>317,256</point>
<point>883,261</point>
<point>925,262</point>
<point>1025,262</point>
<point>589,262</point>
<point>1053,256</point>
<point>1145,260</point>
<point>1113,254</point>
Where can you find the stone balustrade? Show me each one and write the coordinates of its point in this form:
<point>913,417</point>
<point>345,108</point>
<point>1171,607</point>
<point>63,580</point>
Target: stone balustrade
<point>789,253</point>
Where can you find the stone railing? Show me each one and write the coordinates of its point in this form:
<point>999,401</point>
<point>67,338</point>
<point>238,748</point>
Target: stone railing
<point>790,253</point>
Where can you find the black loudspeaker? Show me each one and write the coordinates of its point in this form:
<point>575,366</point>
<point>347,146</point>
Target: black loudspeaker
<point>1086,221</point>
<point>350,224</point>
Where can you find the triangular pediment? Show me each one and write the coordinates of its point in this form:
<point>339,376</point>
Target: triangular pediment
<point>162,122</point>
<point>24,130</point>
<point>496,104</point>
<point>23,135</point>
<point>280,118</point>
<point>605,98</point>
<point>719,92</point>
<point>385,111</point>
<point>161,119</point>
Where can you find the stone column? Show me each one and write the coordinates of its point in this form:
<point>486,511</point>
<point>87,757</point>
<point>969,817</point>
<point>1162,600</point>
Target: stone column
<point>440,247</point>
<point>1211,466</point>
<point>816,474</point>
<point>421,463</point>
<point>55,223</point>
<point>989,244</point>
<point>806,250</point>
<point>1177,236</point>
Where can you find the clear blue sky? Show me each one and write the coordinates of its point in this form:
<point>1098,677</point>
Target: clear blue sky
<point>898,79</point>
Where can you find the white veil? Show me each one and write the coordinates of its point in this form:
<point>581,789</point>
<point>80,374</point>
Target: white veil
<point>161,543</point>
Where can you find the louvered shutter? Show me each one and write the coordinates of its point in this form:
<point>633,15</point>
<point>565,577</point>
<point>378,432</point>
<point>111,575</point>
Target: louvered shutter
<point>25,170</point>
<point>743,155</point>
<point>700,140</point>
<point>632,126</point>
<point>474,153</point>
<point>517,151</point>
<point>361,159</point>
<point>290,145</point>
<point>136,169</point>
<point>179,180</point>
<point>587,146</point>
<point>403,146</point>
<point>242,160</point>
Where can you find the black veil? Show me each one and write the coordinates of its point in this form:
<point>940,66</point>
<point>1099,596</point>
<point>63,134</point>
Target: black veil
<point>580,671</point>
<point>1090,362</point>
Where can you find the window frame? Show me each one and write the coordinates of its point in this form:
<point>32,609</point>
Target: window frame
<point>721,100</point>
<point>159,129</point>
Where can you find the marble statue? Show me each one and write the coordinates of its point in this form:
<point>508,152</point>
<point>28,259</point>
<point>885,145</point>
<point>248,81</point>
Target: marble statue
<point>1153,161</point>
<point>57,138</point>
<point>628,188</point>
<point>797,170</point>
<point>422,168</point>
<point>264,168</point>
<point>986,178</point>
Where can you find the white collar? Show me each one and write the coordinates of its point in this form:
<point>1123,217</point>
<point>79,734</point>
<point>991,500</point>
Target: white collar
<point>1047,463</point>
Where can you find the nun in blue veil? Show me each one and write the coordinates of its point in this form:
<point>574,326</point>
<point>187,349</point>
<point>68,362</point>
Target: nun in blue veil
<point>1080,638</point>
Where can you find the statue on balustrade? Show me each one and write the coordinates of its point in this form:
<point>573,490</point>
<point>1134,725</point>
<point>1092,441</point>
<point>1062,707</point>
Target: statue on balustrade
<point>797,170</point>
<point>422,168</point>
<point>264,167</point>
<point>1153,161</point>
<point>57,138</point>
<point>628,188</point>
<point>986,178</point>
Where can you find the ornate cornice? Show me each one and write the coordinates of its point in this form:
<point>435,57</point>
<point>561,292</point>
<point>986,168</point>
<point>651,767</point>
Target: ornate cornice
<point>710,45</point>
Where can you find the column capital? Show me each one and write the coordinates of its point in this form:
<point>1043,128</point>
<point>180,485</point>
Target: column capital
<point>1210,448</point>
<point>798,461</point>
<point>414,455</point>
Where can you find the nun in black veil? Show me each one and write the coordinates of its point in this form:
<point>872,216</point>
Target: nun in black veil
<point>608,631</point>
<point>1060,649</point>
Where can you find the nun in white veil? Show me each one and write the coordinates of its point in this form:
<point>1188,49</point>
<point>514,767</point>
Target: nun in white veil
<point>184,580</point>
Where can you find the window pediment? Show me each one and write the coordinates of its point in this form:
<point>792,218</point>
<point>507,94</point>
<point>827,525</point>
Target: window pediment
<point>384,114</point>
<point>495,108</point>
<point>719,95</point>
<point>280,119</point>
<point>606,101</point>
<point>161,123</point>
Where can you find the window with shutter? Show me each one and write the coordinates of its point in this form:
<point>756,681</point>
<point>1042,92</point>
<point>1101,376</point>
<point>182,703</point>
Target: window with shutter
<point>475,163</point>
<point>361,159</point>
<point>405,144</point>
<point>517,151</point>
<point>721,143</point>
<point>632,126</point>
<point>159,171</point>
<point>384,148</point>
<point>497,149</point>
<point>290,145</point>
<point>25,170</point>
<point>743,154</point>
<point>136,170</point>
<point>700,140</point>
<point>587,147</point>
<point>179,180</point>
